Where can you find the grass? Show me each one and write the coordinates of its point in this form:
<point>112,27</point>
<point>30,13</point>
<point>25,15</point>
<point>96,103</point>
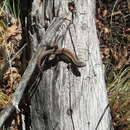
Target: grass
<point>119,99</point>
<point>14,7</point>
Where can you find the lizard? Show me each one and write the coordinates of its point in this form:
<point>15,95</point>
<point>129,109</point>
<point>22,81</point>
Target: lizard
<point>65,54</point>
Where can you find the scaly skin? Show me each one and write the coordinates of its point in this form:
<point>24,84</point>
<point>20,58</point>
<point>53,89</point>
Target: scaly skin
<point>64,53</point>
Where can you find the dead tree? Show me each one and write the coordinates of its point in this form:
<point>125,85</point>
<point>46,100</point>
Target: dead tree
<point>66,97</point>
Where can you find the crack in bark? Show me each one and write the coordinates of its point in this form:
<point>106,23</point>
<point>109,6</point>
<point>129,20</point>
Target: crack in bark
<point>70,109</point>
<point>100,119</point>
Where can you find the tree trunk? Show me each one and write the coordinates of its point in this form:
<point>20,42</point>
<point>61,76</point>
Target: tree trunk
<point>63,101</point>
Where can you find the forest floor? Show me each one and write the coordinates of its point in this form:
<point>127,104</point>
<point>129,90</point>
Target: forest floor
<point>113,29</point>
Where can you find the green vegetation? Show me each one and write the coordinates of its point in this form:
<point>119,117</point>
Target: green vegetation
<point>14,7</point>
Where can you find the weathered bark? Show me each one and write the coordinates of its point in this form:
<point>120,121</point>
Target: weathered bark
<point>63,101</point>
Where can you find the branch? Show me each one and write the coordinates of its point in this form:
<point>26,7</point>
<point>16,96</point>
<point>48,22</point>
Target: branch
<point>17,96</point>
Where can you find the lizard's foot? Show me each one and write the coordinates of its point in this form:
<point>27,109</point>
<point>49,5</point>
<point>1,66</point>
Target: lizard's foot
<point>74,70</point>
